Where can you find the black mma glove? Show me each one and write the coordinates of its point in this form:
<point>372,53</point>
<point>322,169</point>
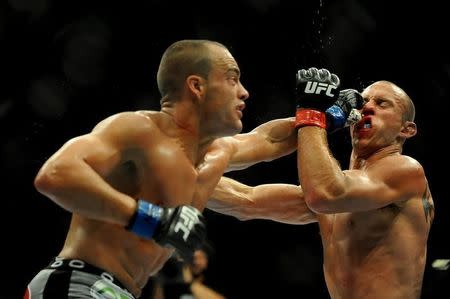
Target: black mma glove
<point>316,91</point>
<point>182,228</point>
<point>344,111</point>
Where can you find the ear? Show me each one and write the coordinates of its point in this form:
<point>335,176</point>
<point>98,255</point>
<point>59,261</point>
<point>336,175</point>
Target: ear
<point>409,130</point>
<point>196,85</point>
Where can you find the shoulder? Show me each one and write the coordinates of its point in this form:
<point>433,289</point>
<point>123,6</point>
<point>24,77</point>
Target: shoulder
<point>405,165</point>
<point>403,172</point>
<point>127,127</point>
<point>128,120</point>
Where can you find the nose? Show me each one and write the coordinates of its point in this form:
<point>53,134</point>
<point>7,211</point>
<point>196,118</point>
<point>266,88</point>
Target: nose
<point>368,108</point>
<point>243,93</point>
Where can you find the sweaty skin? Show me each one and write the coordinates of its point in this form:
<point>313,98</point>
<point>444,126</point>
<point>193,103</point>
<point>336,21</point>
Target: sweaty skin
<point>148,166</point>
<point>379,253</point>
<point>170,157</point>
<point>375,217</point>
<point>278,202</point>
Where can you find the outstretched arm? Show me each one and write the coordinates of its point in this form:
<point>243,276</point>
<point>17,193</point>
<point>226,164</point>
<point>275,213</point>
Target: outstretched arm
<point>266,142</point>
<point>277,202</point>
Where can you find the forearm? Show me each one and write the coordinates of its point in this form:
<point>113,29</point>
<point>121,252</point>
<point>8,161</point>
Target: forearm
<point>320,174</point>
<point>279,137</point>
<point>76,187</point>
<point>277,202</point>
<point>269,141</point>
<point>231,198</point>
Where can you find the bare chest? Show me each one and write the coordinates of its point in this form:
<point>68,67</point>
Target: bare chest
<point>363,229</point>
<point>170,179</point>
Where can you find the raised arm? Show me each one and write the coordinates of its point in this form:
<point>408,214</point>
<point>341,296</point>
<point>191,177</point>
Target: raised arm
<point>278,202</point>
<point>383,176</point>
<point>266,142</point>
<point>328,189</point>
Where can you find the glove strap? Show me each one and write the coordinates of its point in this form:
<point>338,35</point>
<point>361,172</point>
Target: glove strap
<point>145,220</point>
<point>336,118</point>
<point>310,117</point>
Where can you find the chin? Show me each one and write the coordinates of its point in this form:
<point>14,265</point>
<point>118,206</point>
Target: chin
<point>228,131</point>
<point>234,128</point>
<point>239,125</point>
<point>238,128</point>
<point>233,132</point>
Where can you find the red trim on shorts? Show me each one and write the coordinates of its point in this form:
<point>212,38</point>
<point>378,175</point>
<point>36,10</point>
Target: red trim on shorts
<point>27,294</point>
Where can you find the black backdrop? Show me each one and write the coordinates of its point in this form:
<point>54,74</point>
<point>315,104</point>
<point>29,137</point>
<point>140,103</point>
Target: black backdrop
<point>65,65</point>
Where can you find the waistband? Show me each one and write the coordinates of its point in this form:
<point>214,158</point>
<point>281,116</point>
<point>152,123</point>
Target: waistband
<point>79,265</point>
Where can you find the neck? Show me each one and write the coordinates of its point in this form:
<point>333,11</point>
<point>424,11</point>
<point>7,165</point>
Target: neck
<point>184,125</point>
<point>360,161</point>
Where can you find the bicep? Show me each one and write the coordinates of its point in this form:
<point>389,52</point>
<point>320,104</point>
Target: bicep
<point>365,192</point>
<point>88,149</point>
<point>113,139</point>
<point>375,188</point>
<point>102,148</point>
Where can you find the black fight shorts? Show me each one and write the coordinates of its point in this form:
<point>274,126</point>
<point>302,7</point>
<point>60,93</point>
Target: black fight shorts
<point>70,278</point>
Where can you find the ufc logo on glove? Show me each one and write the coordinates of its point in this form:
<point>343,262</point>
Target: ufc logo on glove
<point>318,87</point>
<point>188,219</point>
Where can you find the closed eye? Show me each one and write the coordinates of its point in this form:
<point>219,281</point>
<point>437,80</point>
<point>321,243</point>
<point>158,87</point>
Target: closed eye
<point>384,103</point>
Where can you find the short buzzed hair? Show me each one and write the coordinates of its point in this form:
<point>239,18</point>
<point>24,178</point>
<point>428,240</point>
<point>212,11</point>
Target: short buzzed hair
<point>410,110</point>
<point>410,113</point>
<point>180,60</point>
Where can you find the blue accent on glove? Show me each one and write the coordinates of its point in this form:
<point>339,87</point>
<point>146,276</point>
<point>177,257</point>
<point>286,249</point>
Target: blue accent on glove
<point>146,219</point>
<point>337,116</point>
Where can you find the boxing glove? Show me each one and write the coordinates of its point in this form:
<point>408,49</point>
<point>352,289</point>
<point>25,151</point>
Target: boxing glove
<point>182,228</point>
<point>316,90</point>
<point>345,111</point>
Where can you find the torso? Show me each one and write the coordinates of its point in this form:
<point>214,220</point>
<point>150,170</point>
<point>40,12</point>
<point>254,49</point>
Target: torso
<point>162,175</point>
<point>376,254</point>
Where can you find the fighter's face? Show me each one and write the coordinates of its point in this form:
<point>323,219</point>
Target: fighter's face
<point>224,98</point>
<point>382,119</point>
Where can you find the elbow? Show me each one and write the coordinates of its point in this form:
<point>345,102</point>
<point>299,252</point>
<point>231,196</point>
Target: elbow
<point>323,200</point>
<point>51,177</point>
<point>241,217</point>
<point>42,181</point>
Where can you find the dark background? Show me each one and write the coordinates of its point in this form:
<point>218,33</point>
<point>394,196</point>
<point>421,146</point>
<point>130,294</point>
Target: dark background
<point>65,65</point>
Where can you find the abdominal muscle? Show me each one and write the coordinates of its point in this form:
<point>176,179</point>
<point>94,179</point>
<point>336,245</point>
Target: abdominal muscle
<point>132,260</point>
<point>388,269</point>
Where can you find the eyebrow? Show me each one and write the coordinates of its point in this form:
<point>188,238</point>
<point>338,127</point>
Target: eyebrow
<point>234,70</point>
<point>383,98</point>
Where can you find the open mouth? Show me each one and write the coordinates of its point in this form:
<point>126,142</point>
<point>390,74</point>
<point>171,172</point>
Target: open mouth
<point>364,124</point>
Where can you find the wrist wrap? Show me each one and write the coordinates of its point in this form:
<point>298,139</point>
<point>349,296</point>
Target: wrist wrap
<point>337,117</point>
<point>145,220</point>
<point>310,117</point>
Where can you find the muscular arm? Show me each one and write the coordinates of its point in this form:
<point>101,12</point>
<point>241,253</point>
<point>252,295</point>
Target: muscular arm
<point>278,202</point>
<point>328,189</point>
<point>266,142</point>
<point>74,176</point>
